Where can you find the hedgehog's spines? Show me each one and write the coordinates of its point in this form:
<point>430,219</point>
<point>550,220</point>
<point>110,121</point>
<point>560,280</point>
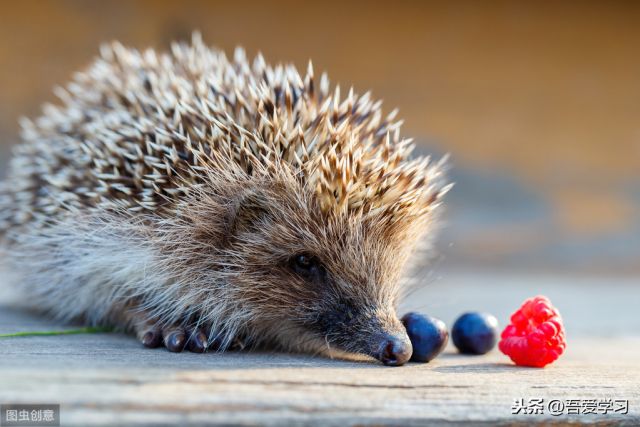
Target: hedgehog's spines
<point>147,124</point>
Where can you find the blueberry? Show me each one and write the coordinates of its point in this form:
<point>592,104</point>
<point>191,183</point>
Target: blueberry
<point>475,333</point>
<point>428,336</point>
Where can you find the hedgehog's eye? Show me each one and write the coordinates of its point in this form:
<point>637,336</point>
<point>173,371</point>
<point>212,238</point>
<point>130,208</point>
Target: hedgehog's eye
<point>303,261</point>
<point>307,266</point>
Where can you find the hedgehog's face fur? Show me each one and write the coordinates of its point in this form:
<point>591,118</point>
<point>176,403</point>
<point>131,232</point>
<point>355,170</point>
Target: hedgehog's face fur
<point>323,281</point>
<point>307,280</point>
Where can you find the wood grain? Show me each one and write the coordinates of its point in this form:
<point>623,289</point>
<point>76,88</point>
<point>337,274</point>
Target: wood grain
<point>109,379</point>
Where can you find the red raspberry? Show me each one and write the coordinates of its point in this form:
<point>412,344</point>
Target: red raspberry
<point>535,336</point>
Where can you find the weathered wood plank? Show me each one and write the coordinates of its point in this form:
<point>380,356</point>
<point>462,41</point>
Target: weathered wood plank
<point>109,379</point>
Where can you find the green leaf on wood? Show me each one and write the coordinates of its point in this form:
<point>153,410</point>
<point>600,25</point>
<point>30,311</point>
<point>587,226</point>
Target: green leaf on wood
<point>87,330</point>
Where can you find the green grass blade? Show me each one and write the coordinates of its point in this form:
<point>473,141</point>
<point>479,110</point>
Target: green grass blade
<point>87,330</point>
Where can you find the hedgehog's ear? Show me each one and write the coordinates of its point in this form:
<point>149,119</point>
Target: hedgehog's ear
<point>244,210</point>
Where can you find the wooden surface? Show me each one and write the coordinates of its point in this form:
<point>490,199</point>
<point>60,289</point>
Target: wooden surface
<point>108,379</point>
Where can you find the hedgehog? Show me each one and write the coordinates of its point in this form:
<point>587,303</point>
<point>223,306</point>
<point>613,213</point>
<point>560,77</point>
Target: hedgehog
<point>202,202</point>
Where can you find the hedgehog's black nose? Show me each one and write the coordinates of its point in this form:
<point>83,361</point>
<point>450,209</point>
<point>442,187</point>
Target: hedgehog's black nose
<point>395,351</point>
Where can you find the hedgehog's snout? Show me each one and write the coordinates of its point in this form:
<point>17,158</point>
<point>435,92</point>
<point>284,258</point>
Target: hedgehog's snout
<point>354,328</point>
<point>394,350</point>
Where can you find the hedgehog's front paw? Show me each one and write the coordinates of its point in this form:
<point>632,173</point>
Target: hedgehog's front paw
<point>175,339</point>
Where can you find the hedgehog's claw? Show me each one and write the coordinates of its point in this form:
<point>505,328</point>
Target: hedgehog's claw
<point>176,339</point>
<point>197,342</point>
<point>152,338</point>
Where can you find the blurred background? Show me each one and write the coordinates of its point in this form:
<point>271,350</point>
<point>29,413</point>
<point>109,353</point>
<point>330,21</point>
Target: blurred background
<point>538,102</point>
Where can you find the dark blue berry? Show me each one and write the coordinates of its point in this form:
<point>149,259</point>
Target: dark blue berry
<point>475,333</point>
<point>428,336</point>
